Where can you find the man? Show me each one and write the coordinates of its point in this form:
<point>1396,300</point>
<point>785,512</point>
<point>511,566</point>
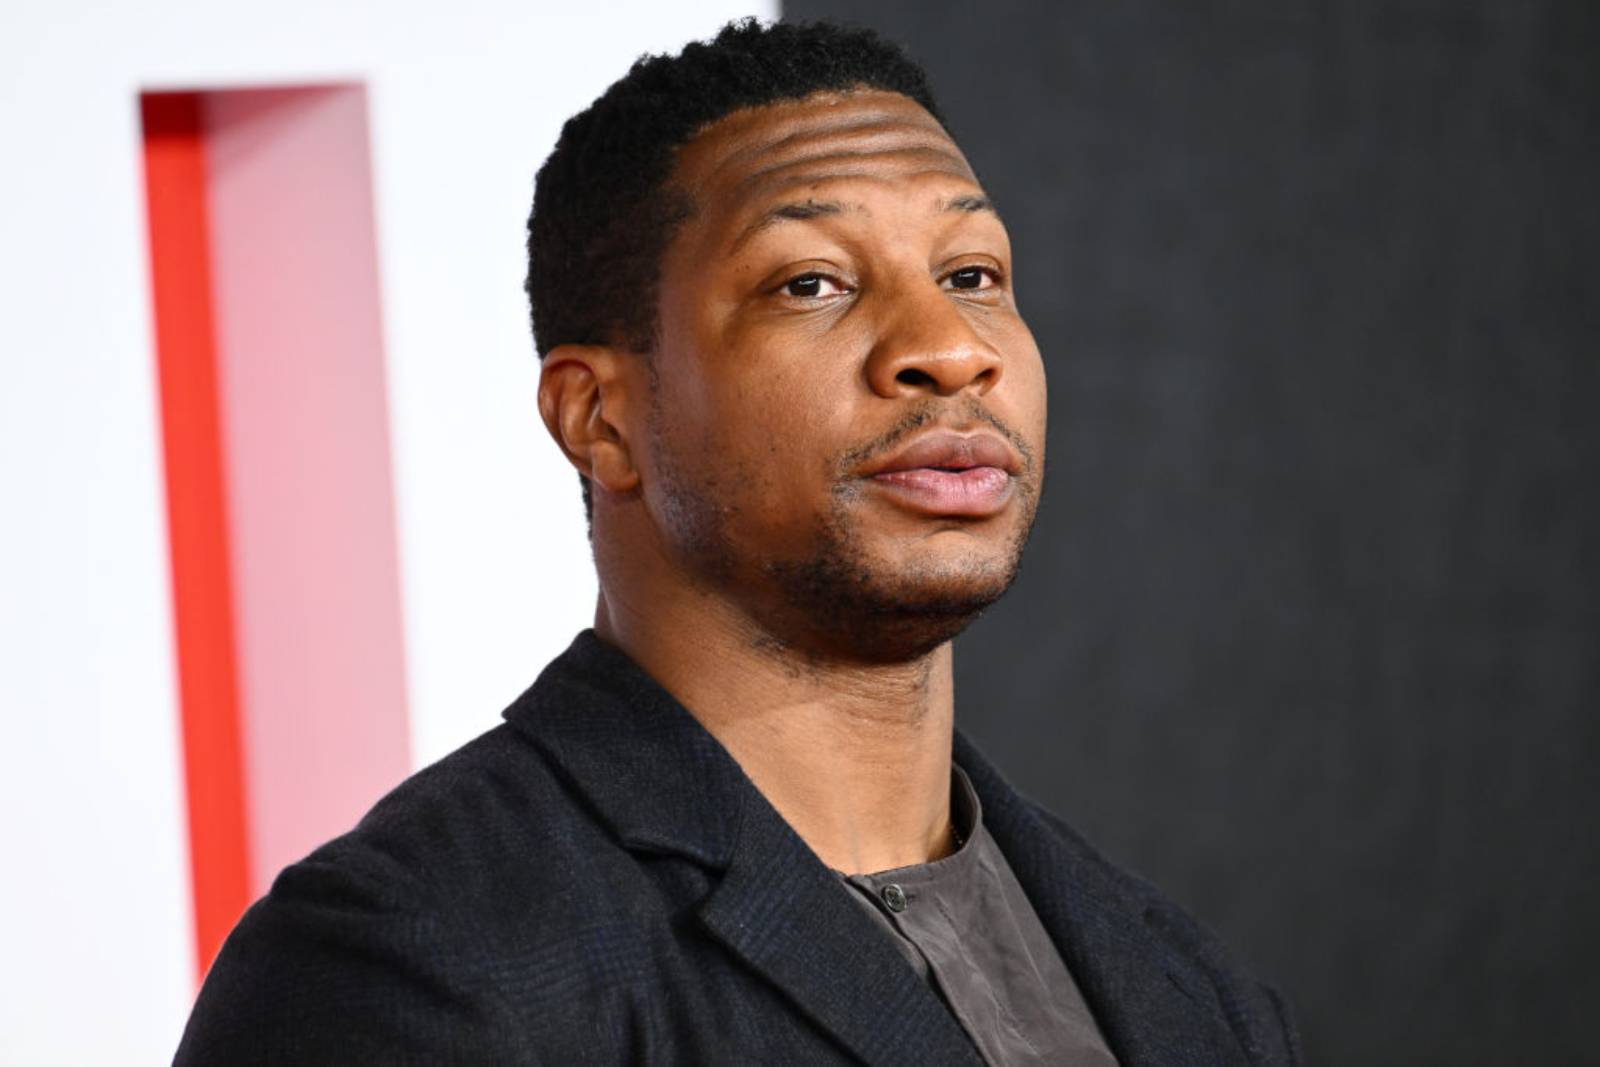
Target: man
<point>733,823</point>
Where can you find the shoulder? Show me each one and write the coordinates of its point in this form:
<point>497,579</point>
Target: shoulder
<point>496,797</point>
<point>409,935</point>
<point>1115,907</point>
<point>456,836</point>
<point>1255,1011</point>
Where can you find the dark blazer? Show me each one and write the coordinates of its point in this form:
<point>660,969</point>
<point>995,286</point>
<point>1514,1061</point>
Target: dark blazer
<point>596,881</point>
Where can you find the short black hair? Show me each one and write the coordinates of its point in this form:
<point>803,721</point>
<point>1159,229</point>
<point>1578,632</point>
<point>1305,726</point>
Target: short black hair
<point>603,211</point>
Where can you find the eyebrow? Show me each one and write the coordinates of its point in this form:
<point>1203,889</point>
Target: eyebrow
<point>805,210</point>
<point>795,211</point>
<point>971,204</point>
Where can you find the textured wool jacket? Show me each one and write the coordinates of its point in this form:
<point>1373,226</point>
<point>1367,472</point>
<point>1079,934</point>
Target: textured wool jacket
<point>596,881</point>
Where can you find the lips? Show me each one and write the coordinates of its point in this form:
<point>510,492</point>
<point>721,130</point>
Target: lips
<point>947,450</point>
<point>944,473</point>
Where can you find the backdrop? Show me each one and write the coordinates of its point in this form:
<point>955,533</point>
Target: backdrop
<point>391,544</point>
<point>1307,630</point>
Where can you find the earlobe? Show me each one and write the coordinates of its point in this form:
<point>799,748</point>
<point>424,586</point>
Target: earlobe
<point>586,403</point>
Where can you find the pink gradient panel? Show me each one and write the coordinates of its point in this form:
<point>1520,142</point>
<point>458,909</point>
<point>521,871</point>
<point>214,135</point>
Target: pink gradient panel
<point>310,489</point>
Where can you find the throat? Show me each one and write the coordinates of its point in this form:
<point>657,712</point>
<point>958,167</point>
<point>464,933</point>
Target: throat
<point>854,756</point>
<point>864,781</point>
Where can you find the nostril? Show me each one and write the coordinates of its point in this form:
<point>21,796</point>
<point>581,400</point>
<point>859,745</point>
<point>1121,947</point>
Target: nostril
<point>912,376</point>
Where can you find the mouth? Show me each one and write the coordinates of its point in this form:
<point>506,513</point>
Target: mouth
<point>943,473</point>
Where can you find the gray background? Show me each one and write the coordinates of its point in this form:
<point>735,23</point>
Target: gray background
<point>1307,630</point>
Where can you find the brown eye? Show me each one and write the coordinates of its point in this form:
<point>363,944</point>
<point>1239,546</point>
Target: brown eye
<point>968,278</point>
<point>813,286</point>
<point>804,286</point>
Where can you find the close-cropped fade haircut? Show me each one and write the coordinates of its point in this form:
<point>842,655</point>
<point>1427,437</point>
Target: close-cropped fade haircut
<point>604,209</point>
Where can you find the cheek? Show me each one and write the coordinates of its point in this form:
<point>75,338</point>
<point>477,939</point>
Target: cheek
<point>788,398</point>
<point>1037,403</point>
<point>788,436</point>
<point>753,448</point>
<point>1025,383</point>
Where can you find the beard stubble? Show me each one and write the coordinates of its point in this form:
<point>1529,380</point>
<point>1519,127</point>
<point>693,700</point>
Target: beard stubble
<point>833,599</point>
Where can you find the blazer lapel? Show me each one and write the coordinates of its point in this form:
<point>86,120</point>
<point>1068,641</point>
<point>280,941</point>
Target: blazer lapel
<point>788,917</point>
<point>1154,1006</point>
<point>663,784</point>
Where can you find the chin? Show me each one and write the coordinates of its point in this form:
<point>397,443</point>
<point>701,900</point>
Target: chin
<point>882,613</point>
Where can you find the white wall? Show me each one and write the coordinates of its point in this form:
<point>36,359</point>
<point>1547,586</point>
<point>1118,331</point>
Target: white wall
<point>465,99</point>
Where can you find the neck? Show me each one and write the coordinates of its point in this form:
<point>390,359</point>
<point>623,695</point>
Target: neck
<point>855,757</point>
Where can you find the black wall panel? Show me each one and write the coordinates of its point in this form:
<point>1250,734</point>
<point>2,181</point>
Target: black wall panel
<point>1307,632</point>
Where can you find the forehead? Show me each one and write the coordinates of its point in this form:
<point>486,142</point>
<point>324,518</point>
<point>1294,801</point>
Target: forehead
<point>797,147</point>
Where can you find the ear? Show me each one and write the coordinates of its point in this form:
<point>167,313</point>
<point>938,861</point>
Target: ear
<point>590,397</point>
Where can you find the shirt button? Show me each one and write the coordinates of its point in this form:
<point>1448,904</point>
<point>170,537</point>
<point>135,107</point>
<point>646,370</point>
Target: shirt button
<point>894,898</point>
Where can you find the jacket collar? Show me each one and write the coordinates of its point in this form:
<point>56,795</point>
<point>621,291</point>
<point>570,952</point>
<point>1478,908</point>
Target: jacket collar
<point>1153,1003</point>
<point>661,783</point>
<point>658,780</point>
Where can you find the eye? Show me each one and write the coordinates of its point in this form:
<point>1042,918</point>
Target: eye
<point>971,278</point>
<point>811,286</point>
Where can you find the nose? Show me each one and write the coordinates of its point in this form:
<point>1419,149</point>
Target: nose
<point>927,344</point>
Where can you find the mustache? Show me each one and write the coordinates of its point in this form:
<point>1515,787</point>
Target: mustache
<point>931,412</point>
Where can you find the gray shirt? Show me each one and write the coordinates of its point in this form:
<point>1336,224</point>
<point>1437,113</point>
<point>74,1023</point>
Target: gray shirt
<point>965,925</point>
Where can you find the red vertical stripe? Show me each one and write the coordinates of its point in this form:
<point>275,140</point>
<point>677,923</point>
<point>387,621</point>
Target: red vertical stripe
<point>186,350</point>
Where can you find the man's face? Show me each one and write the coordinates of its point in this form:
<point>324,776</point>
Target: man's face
<point>847,431</point>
